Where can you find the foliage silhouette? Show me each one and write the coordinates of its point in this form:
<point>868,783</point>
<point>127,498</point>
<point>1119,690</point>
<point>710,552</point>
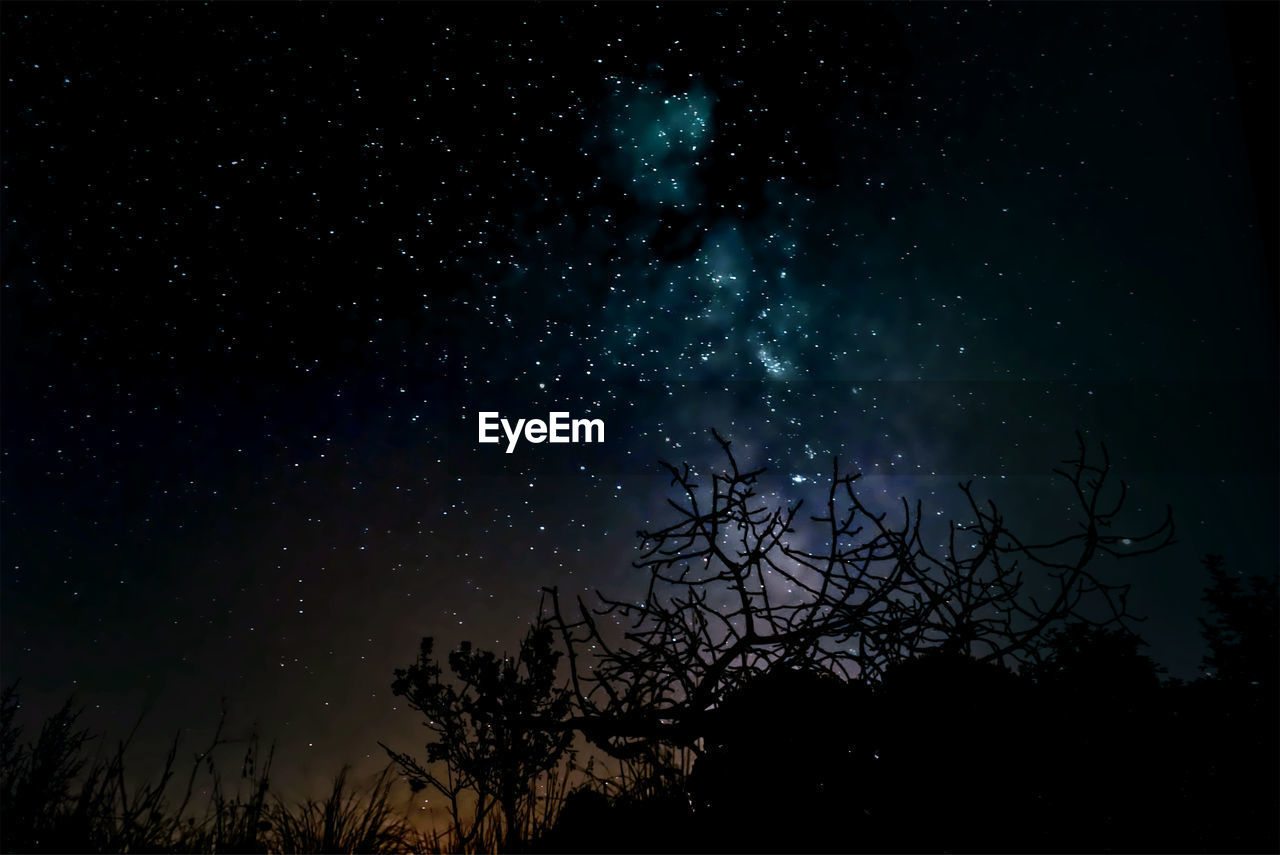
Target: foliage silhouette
<point>484,750</point>
<point>837,694</point>
<point>802,727</point>
<point>736,588</point>
<point>57,796</point>
<point>1241,630</point>
<point>771,692</point>
<point>349,819</point>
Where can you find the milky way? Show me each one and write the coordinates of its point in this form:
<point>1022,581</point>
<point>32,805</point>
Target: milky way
<point>265,265</point>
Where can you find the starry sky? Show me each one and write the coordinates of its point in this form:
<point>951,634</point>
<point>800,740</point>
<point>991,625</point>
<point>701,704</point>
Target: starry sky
<point>264,264</point>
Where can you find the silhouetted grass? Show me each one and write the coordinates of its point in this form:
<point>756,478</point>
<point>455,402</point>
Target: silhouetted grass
<point>58,795</point>
<point>349,819</point>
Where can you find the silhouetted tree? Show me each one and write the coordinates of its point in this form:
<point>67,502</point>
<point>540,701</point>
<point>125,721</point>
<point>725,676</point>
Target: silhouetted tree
<point>484,745</point>
<point>1107,662</point>
<point>1104,741</point>
<point>798,738</point>
<point>1241,630</point>
<point>1233,713</point>
<point>861,673</point>
<point>736,590</point>
<point>951,741</point>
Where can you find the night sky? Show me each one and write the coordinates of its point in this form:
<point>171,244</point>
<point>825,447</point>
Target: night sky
<point>264,265</point>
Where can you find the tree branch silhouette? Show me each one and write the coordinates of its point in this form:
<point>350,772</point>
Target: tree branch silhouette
<point>734,591</point>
